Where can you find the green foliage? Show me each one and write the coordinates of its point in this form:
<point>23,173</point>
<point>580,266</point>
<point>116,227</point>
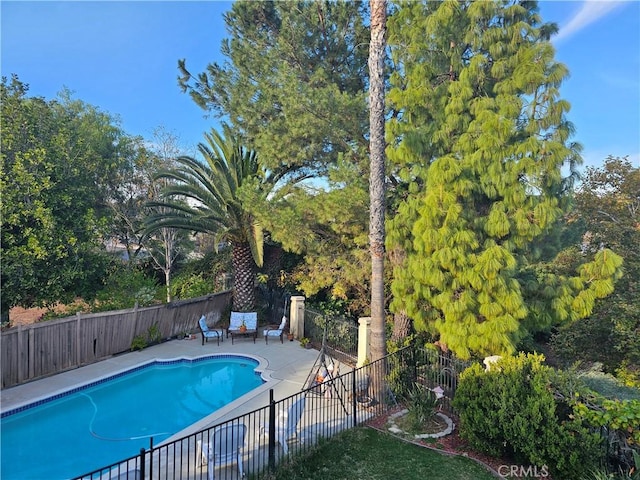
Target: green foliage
<point>153,333</point>
<point>621,415</point>
<point>217,208</point>
<point>511,410</point>
<point>480,145</point>
<point>629,375</point>
<point>191,286</point>
<point>141,342</point>
<point>608,386</point>
<point>293,85</point>
<point>60,165</point>
<point>294,88</point>
<point>607,206</point>
<point>422,405</point>
<point>125,287</point>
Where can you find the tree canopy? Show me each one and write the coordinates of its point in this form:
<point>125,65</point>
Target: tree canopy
<point>61,161</point>
<point>203,196</point>
<point>293,87</point>
<point>607,210</point>
<point>480,138</point>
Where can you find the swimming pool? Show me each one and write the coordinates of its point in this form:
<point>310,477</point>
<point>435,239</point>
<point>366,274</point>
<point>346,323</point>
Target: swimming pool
<point>111,419</point>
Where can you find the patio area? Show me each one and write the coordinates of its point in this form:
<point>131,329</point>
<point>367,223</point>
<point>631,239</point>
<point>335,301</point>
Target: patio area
<point>284,366</point>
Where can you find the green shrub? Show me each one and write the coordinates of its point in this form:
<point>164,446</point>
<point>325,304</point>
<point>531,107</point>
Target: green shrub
<point>622,421</point>
<point>153,336</point>
<point>124,288</point>
<point>191,286</point>
<point>511,411</point>
<point>422,405</point>
<point>138,343</point>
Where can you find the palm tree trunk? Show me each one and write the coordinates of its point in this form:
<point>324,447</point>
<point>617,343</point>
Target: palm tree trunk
<point>377,175</point>
<point>244,292</point>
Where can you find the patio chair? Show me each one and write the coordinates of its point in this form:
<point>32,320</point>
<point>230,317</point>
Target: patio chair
<point>275,331</point>
<point>243,323</point>
<point>208,333</point>
<point>224,447</point>
<point>287,424</point>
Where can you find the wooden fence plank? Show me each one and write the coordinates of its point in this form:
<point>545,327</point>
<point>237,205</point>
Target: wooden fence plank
<point>42,349</point>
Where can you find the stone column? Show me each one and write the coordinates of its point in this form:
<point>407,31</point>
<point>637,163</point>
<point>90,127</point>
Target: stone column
<point>364,340</point>
<point>296,317</point>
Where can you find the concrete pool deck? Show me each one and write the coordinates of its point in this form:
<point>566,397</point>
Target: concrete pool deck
<point>285,366</point>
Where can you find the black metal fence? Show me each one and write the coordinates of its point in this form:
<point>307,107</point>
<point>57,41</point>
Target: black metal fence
<point>256,442</point>
<point>341,335</point>
<point>428,367</point>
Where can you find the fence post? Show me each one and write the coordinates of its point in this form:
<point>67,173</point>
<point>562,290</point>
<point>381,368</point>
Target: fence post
<point>364,337</point>
<point>296,316</point>
<point>354,399</point>
<point>142,465</point>
<point>20,357</point>
<point>150,458</point>
<point>78,349</point>
<point>32,354</point>
<point>272,432</point>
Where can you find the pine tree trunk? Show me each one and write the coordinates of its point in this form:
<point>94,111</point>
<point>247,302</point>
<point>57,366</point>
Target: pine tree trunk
<point>377,175</point>
<point>401,326</point>
<point>244,293</point>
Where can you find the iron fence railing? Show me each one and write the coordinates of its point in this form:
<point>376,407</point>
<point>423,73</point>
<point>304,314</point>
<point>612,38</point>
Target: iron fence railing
<point>269,435</point>
<point>341,335</point>
<point>428,367</point>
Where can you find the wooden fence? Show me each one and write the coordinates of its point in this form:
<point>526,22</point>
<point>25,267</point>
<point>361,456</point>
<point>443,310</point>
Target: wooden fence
<point>41,349</point>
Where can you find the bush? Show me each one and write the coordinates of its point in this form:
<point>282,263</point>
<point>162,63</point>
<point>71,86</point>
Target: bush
<point>124,288</point>
<point>191,286</point>
<point>422,405</point>
<point>511,411</point>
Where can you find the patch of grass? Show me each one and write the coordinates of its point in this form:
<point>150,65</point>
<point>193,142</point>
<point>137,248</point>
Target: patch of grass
<point>365,453</point>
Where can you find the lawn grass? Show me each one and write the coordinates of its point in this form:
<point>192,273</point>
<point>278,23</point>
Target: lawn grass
<point>365,453</point>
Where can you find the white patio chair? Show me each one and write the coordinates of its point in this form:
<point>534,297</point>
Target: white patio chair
<point>208,333</point>
<point>224,447</point>
<point>275,331</point>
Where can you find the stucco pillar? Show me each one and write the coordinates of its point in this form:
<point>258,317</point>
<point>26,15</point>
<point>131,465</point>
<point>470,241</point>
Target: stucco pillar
<point>364,340</point>
<point>296,317</point>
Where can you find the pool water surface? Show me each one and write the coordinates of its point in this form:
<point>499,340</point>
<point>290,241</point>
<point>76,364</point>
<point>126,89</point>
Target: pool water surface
<point>112,419</point>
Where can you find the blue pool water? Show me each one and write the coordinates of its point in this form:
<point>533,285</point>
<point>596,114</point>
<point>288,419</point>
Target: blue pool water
<point>102,423</point>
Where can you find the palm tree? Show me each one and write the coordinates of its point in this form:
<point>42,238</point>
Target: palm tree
<point>203,197</point>
<point>378,9</point>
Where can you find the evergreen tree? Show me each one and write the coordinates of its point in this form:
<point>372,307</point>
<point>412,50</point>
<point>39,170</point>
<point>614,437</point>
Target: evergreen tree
<point>608,209</point>
<point>293,86</point>
<point>480,139</point>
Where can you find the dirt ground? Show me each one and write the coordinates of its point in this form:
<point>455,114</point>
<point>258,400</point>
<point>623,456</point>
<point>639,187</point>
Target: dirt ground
<point>25,316</point>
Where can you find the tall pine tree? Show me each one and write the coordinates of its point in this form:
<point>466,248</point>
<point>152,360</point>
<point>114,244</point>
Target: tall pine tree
<point>293,86</point>
<point>480,140</point>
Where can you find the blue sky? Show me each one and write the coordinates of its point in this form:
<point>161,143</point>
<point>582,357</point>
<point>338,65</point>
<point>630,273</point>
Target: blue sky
<point>121,56</point>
